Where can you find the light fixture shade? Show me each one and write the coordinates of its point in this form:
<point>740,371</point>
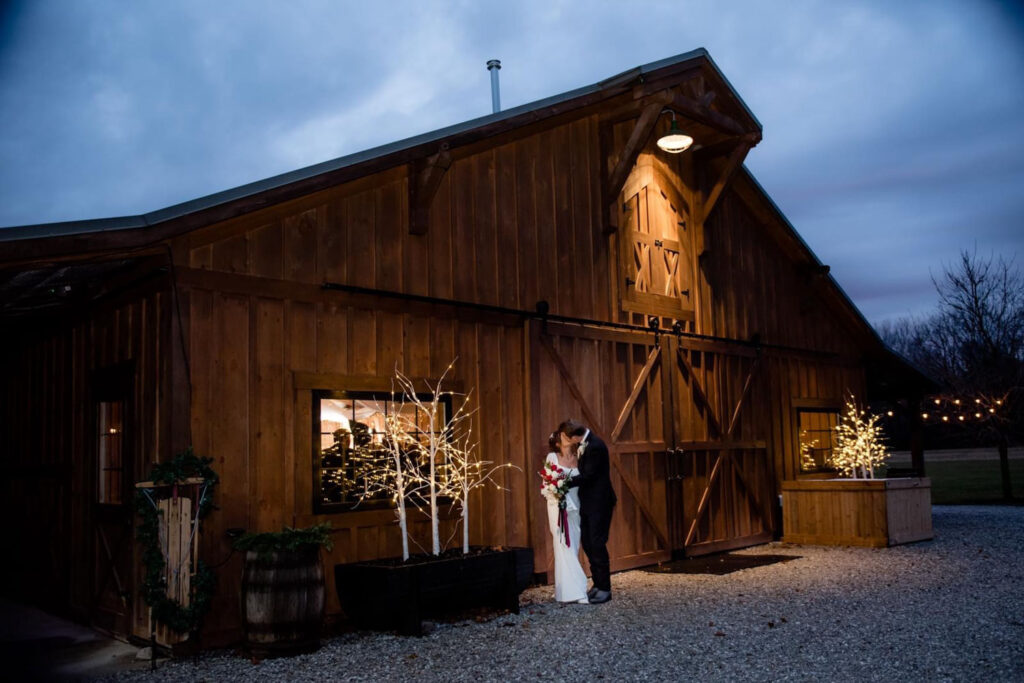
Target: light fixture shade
<point>675,140</point>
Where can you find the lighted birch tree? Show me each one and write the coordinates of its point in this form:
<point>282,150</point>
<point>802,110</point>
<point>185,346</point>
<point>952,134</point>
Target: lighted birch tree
<point>414,445</point>
<point>449,450</point>
<point>395,475</point>
<point>432,458</point>
<point>425,435</point>
<point>464,471</point>
<point>860,443</point>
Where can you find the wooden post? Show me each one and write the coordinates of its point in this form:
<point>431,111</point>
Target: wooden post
<point>1004,467</point>
<point>916,438</point>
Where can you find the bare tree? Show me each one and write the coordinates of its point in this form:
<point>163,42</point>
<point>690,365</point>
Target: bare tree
<point>974,346</point>
<point>981,304</point>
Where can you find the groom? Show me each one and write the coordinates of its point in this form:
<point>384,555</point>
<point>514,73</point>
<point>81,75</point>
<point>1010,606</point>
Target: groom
<point>597,500</point>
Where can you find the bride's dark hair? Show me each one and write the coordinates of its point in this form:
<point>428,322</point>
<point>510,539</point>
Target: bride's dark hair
<point>553,442</point>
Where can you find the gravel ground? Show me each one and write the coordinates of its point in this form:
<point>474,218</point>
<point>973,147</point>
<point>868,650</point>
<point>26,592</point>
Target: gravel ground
<point>948,609</point>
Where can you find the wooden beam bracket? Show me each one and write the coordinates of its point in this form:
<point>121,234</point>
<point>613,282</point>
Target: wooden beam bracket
<point>424,178</point>
<point>739,153</point>
<point>702,113</point>
<point>642,130</point>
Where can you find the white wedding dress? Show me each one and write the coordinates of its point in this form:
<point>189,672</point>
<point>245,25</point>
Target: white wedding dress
<point>570,581</point>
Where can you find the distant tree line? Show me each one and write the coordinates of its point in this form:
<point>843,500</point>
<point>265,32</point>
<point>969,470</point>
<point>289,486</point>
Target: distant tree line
<point>973,346</point>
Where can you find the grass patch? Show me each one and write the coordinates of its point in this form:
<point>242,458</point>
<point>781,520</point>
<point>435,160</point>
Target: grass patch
<point>959,482</point>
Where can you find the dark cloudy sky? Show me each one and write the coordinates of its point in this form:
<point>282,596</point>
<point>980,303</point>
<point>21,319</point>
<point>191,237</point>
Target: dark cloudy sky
<point>893,131</point>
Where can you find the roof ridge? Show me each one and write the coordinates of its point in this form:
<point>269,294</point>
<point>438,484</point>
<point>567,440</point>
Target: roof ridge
<point>168,213</point>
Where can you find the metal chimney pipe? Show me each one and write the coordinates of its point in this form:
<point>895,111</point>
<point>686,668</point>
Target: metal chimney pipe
<point>494,66</point>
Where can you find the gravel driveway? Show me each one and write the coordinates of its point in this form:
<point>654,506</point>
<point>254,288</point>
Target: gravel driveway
<point>948,609</point>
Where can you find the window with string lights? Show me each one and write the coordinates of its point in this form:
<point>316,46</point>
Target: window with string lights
<point>817,430</point>
<point>349,447</point>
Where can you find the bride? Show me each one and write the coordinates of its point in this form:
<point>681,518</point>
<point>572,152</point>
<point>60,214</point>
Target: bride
<point>570,581</point>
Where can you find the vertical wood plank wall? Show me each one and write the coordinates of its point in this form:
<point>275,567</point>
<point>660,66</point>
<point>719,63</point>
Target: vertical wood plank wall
<point>752,287</point>
<point>48,442</point>
<point>509,225</point>
<point>516,219</point>
<point>604,368</point>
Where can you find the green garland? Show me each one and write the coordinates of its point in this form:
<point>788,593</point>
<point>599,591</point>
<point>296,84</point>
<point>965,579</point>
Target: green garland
<point>286,540</point>
<point>154,586</point>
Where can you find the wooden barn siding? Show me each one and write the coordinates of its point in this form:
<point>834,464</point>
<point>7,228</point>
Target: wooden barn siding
<point>500,219</point>
<point>753,288</point>
<point>249,415</point>
<point>508,226</point>
<point>48,437</point>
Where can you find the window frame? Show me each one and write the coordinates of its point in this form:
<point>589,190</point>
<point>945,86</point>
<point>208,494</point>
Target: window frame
<point>319,506</point>
<point>814,406</point>
<point>113,384</point>
<point>110,437</point>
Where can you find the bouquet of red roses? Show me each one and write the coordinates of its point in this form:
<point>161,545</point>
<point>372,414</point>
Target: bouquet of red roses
<point>553,486</point>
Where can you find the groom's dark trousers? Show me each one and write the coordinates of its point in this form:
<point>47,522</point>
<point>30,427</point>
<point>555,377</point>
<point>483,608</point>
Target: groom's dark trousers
<point>597,501</point>
<point>594,535</point>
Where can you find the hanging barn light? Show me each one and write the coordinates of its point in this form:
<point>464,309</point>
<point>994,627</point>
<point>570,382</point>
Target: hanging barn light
<point>675,140</point>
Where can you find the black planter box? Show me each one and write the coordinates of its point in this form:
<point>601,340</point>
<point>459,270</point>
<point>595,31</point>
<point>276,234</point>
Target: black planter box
<point>391,595</point>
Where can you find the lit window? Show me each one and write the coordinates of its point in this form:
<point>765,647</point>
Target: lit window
<point>110,428</point>
<point>349,444</point>
<point>817,428</point>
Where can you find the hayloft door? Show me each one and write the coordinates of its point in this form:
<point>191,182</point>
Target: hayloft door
<point>719,484</point>
<point>110,607</point>
<point>655,258</point>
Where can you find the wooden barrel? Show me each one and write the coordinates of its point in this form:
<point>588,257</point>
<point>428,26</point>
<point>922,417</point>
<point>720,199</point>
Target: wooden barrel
<point>283,601</point>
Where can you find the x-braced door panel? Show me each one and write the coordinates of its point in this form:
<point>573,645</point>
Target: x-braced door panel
<point>721,498</point>
<point>719,486</point>
<point>655,248</point>
<point>613,382</point>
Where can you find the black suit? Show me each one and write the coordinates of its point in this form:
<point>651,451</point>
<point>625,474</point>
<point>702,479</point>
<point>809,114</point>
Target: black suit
<point>597,500</point>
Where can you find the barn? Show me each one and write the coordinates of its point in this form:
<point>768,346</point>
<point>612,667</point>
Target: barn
<point>569,264</point>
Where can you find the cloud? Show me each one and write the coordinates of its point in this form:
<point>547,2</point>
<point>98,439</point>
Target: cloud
<point>893,132</point>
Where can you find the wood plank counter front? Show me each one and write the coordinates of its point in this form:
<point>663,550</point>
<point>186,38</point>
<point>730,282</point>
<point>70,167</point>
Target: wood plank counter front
<point>865,512</point>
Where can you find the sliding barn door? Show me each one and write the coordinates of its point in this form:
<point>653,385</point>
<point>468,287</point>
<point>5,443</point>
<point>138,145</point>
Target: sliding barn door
<point>719,478</point>
<point>612,381</point>
<point>720,498</point>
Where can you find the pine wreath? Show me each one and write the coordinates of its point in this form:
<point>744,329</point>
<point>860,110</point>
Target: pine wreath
<point>166,610</point>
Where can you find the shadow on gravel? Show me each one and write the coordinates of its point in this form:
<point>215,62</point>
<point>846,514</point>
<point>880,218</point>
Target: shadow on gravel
<point>717,564</point>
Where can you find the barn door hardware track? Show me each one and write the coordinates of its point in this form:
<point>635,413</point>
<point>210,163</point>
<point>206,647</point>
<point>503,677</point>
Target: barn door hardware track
<point>524,314</point>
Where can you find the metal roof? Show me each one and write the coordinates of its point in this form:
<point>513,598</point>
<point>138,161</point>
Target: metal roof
<point>250,189</point>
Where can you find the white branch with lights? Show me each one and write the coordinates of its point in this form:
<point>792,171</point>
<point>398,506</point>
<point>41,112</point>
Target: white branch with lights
<point>860,443</point>
<point>424,467</point>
